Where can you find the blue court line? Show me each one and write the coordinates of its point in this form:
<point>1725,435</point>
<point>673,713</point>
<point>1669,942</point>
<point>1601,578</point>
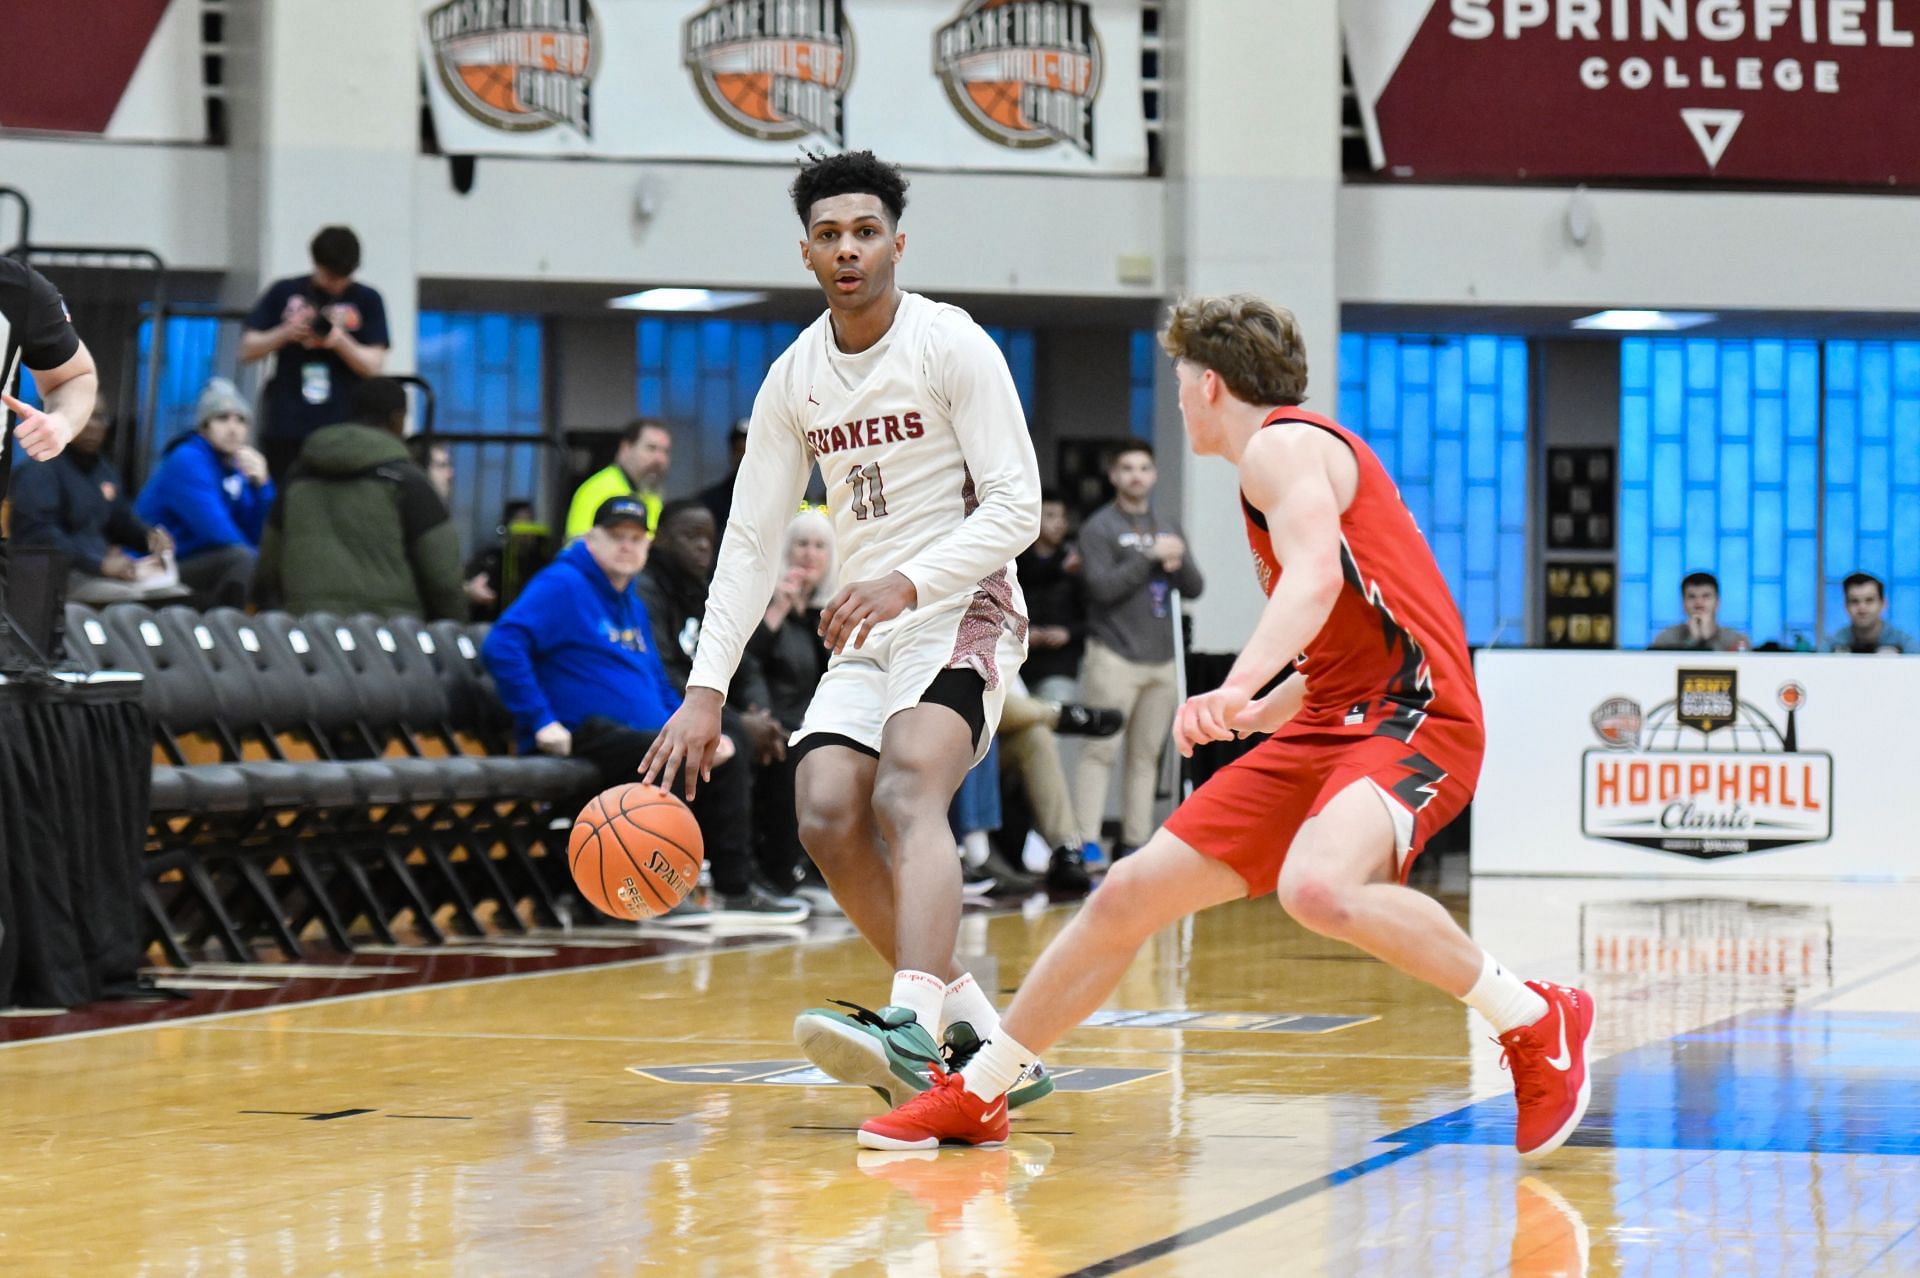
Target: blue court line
<point>1251,1212</point>
<point>1813,1106</point>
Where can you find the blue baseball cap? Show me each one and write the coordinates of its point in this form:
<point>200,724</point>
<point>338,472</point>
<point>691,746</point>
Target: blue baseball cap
<point>615,510</point>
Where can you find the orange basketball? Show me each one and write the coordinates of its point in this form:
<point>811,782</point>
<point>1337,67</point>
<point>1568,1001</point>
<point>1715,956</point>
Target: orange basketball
<point>635,851</point>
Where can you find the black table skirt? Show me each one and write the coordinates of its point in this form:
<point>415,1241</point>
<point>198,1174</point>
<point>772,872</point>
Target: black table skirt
<point>76,769</point>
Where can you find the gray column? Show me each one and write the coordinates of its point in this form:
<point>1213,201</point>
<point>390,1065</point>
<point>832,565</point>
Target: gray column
<point>1253,172</point>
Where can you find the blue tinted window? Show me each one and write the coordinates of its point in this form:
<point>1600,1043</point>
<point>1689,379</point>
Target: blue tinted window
<point>1143,358</point>
<point>1447,416</point>
<point>1872,493</point>
<point>186,363</point>
<point>487,372</point>
<point>1719,473</point>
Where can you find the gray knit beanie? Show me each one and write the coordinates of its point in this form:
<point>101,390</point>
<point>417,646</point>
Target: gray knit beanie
<point>219,398</point>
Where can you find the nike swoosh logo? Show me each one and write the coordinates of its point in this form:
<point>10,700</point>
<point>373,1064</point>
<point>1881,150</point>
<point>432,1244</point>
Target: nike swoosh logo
<point>999,1108</point>
<point>1564,1061</point>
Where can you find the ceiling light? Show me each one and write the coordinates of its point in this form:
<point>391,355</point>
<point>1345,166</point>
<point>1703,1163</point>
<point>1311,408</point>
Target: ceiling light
<point>686,299</point>
<point>1644,321</point>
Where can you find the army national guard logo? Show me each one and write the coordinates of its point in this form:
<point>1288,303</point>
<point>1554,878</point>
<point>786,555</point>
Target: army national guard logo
<point>518,65</point>
<point>1706,774</point>
<point>1023,73</point>
<point>775,70</point>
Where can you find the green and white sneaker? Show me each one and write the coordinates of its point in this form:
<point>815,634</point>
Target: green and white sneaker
<point>888,1050</point>
<point>960,1043</point>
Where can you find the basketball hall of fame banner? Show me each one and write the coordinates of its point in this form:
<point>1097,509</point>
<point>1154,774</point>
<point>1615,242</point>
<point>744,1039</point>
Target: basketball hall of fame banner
<point>1046,85</point>
<point>1696,764</point>
<point>1782,91</point>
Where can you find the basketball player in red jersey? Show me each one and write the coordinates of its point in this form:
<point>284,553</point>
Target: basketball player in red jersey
<point>1376,744</point>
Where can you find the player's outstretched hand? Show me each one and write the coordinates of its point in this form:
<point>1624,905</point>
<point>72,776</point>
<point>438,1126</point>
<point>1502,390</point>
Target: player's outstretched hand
<point>1208,717</point>
<point>858,608</point>
<point>41,435</point>
<point>690,738</point>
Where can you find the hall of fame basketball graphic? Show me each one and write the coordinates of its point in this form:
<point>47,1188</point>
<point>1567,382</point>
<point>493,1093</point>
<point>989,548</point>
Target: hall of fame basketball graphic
<point>1023,73</point>
<point>518,66</point>
<point>775,72</point>
<point>1706,774</point>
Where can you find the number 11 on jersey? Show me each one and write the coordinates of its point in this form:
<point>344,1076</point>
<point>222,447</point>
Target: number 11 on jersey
<point>869,493</point>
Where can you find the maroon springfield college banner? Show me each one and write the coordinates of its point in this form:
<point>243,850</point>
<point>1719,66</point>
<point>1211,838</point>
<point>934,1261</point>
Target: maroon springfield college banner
<point>1791,91</point>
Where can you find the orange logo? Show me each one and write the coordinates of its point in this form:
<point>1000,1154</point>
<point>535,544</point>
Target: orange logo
<point>775,72</point>
<point>518,65</point>
<point>1023,73</point>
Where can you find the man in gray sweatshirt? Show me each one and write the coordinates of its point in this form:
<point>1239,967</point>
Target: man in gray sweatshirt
<point>1134,560</point>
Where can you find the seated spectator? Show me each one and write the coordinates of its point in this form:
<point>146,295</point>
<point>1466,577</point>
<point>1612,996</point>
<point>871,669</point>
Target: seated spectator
<point>358,527</point>
<point>1867,629</point>
<point>486,570</point>
<point>639,469</point>
<point>717,497</point>
<point>1701,631</point>
<point>435,459</point>
<point>1029,728</point>
<point>791,658</point>
<point>76,503</point>
<point>674,588</point>
<point>974,816</point>
<point>1057,604</point>
<point>211,493</point>
<point>574,660</point>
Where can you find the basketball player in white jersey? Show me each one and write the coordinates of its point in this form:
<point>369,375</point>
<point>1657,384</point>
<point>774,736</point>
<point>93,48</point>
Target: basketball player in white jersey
<point>909,409</point>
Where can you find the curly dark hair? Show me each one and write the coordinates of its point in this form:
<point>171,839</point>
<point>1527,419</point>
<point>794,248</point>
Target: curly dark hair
<point>824,176</point>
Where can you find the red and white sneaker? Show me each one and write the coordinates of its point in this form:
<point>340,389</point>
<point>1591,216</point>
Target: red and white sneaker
<point>1549,1063</point>
<point>946,1113</point>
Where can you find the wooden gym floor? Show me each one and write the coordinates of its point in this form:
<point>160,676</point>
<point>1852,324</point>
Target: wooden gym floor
<point>1259,1101</point>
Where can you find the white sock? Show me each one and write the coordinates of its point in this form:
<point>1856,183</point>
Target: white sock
<point>974,848</point>
<point>966,1001</point>
<point>1503,998</point>
<point>921,992</point>
<point>997,1066</point>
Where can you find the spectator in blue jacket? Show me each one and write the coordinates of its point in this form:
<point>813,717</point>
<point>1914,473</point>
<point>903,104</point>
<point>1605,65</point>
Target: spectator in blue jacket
<point>574,662</point>
<point>212,493</point>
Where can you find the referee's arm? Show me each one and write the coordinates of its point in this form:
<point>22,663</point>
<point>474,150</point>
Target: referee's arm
<point>62,369</point>
<point>68,390</point>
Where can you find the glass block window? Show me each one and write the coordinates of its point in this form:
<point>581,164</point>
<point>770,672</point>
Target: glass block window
<point>187,363</point>
<point>1018,345</point>
<point>1448,416</point>
<point>1872,491</point>
<point>1143,362</point>
<point>488,377</point>
<point>1720,472</point>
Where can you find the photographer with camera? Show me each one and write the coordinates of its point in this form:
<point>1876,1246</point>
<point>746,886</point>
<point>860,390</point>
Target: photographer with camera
<point>327,332</point>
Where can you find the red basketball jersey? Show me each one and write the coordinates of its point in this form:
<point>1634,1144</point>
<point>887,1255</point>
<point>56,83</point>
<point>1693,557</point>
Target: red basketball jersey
<point>1393,652</point>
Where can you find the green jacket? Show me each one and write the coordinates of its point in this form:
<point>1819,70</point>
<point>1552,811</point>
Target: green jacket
<point>358,528</point>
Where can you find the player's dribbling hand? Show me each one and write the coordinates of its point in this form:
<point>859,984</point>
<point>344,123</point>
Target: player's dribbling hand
<point>42,435</point>
<point>1208,717</point>
<point>690,738</point>
<point>858,608</point>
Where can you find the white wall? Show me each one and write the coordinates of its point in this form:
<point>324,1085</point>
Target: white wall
<point>1455,245</point>
<point>734,225</point>
<point>171,199</point>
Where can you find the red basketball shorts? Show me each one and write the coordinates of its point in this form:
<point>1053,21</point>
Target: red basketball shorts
<point>1247,814</point>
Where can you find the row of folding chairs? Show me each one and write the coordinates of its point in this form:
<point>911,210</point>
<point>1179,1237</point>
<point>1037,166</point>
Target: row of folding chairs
<point>350,774</point>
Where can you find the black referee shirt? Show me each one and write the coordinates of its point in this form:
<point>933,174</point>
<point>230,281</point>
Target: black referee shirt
<point>33,319</point>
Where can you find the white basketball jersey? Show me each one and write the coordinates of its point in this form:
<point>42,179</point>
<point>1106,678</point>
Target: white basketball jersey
<point>929,470</point>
